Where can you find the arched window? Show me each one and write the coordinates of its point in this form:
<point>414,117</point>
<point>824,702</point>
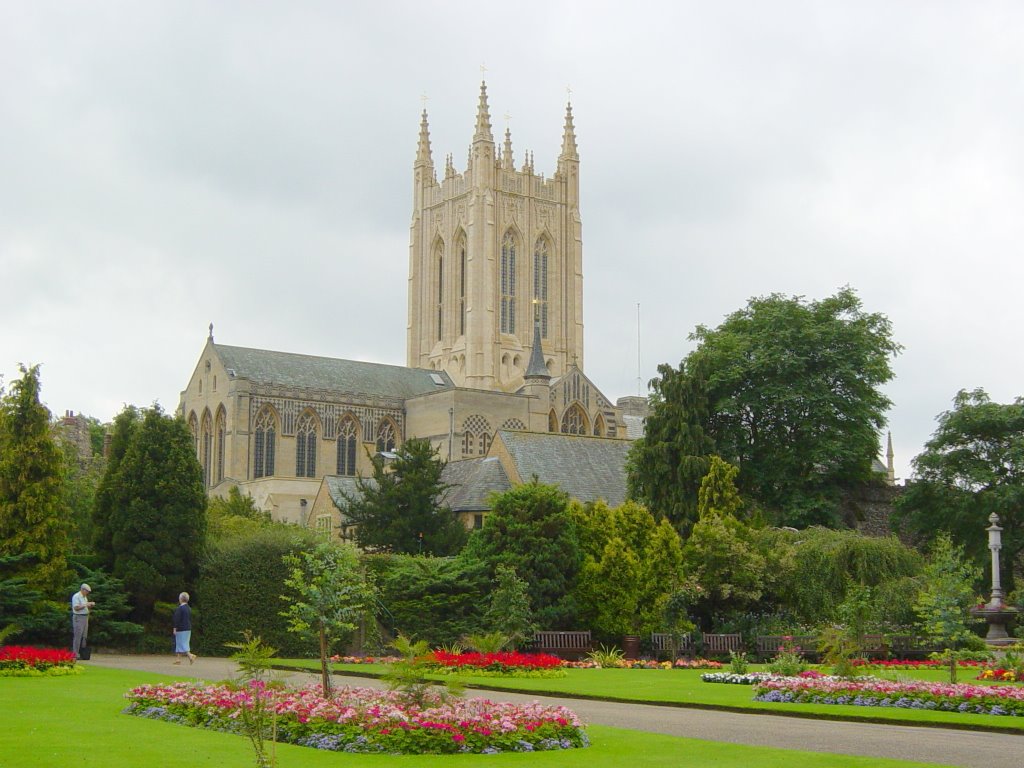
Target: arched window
<point>508,284</point>
<point>540,283</point>
<point>476,436</point>
<point>468,443</point>
<point>599,429</point>
<point>305,446</point>
<point>461,249</point>
<point>552,422</point>
<point>386,436</point>
<point>193,428</point>
<point>264,444</point>
<point>221,432</point>
<point>347,447</point>
<point>485,443</point>
<point>206,440</point>
<point>439,259</point>
<point>574,421</point>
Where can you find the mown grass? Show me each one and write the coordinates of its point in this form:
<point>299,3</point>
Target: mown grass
<point>77,721</point>
<point>683,687</point>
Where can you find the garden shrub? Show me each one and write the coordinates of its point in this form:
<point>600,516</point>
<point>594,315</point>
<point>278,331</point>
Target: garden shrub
<point>240,586</point>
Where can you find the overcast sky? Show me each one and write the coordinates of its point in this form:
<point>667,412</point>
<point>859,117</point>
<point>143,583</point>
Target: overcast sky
<point>164,165</point>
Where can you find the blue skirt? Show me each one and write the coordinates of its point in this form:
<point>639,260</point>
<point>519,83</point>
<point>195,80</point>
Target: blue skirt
<point>181,640</point>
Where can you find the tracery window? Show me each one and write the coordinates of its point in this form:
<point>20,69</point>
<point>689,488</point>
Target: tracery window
<point>574,421</point>
<point>552,422</point>
<point>440,289</point>
<point>305,447</point>
<point>347,447</point>
<point>599,426</point>
<point>386,436</point>
<point>264,444</point>
<point>221,431</point>
<point>508,284</point>
<point>462,285</point>
<point>206,440</point>
<point>193,428</point>
<point>540,283</point>
<point>476,435</point>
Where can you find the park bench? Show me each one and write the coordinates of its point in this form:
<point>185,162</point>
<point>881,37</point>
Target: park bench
<point>721,645</point>
<point>567,645</point>
<point>872,647</point>
<point>911,647</point>
<point>661,644</point>
<point>768,645</point>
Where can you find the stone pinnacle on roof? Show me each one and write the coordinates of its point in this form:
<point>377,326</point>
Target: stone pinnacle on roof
<point>483,117</point>
<point>569,151</point>
<point>507,154</point>
<point>537,369</point>
<point>423,155</point>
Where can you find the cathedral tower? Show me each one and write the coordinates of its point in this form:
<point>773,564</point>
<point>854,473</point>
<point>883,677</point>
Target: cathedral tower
<point>490,250</point>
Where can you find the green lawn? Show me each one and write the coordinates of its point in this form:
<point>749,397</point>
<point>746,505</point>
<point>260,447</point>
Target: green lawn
<point>76,721</point>
<point>685,688</point>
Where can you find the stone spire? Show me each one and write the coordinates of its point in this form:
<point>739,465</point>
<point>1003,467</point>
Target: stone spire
<point>889,466</point>
<point>483,117</point>
<point>569,151</point>
<point>423,156</point>
<point>506,155</point>
<point>536,368</point>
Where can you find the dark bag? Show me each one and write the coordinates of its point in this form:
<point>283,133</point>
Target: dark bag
<point>84,653</point>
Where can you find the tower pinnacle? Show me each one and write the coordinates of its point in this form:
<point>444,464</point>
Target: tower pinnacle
<point>423,155</point>
<point>483,117</point>
<point>569,151</point>
<point>536,369</point>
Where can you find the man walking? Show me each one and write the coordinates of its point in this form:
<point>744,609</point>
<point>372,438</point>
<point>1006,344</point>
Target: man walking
<point>80,607</point>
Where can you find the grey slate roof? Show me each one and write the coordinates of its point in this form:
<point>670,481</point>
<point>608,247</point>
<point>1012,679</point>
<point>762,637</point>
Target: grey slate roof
<point>587,468</point>
<point>328,373</point>
<point>338,486</point>
<point>472,482</point>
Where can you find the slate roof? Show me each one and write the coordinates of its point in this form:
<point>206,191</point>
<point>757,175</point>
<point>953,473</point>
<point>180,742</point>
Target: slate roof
<point>472,482</point>
<point>338,486</point>
<point>327,373</point>
<point>587,468</point>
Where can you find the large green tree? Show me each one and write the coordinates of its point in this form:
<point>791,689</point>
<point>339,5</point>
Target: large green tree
<point>154,513</point>
<point>531,529</point>
<point>399,510</point>
<point>32,486</point>
<point>786,389</point>
<point>108,492</point>
<point>972,466</point>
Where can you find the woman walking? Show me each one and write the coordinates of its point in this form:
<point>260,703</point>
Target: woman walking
<point>183,629</point>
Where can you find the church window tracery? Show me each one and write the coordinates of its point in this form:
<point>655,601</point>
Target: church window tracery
<point>221,433</point>
<point>305,447</point>
<point>193,427</point>
<point>347,447</point>
<point>574,421</point>
<point>386,436</point>
<point>440,290</point>
<point>462,285</point>
<point>552,422</point>
<point>599,428</point>
<point>508,283</point>
<point>264,444</point>
<point>540,283</point>
<point>207,440</point>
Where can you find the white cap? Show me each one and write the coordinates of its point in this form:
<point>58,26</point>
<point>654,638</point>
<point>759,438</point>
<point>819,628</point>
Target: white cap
<point>85,588</point>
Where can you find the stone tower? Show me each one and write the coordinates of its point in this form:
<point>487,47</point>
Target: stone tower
<point>490,250</point>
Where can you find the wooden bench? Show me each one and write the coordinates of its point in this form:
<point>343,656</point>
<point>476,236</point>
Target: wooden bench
<point>567,645</point>
<point>768,646</point>
<point>872,647</point>
<point>661,644</point>
<point>911,647</point>
<point>720,645</point>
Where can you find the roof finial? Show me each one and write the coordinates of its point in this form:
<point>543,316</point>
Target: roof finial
<point>569,151</point>
<point>423,154</point>
<point>211,332</point>
<point>507,154</point>
<point>483,116</point>
<point>536,369</point>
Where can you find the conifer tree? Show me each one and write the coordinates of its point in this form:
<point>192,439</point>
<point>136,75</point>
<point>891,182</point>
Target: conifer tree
<point>31,486</point>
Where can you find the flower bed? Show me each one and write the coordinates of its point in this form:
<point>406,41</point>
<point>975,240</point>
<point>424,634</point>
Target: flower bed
<point>1000,675</point>
<point>647,664</point>
<point>364,659</point>
<point>872,692</point>
<point>28,661</point>
<point>367,721</point>
<point>503,663</point>
<point>750,678</point>
<point>912,663</point>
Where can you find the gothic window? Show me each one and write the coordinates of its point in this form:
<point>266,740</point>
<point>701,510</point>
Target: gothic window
<point>485,443</point>
<point>440,288</point>
<point>476,436</point>
<point>468,443</point>
<point>305,447</point>
<point>221,430</point>
<point>386,436</point>
<point>552,422</point>
<point>347,447</point>
<point>323,525</point>
<point>540,283</point>
<point>462,285</point>
<point>599,429</point>
<point>574,421</point>
<point>193,427</point>
<point>508,284</point>
<point>206,432</point>
<point>264,444</point>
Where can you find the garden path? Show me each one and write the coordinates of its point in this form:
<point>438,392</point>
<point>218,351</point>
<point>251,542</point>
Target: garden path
<point>969,749</point>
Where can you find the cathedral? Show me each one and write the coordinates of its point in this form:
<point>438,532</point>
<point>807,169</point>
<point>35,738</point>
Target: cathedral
<point>494,375</point>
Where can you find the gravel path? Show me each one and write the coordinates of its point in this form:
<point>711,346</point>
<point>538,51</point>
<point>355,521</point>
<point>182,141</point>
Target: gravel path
<point>969,749</point>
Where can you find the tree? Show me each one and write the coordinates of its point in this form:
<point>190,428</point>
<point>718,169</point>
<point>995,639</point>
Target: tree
<point>531,530</point>
<point>398,509</point>
<point>946,597</point>
<point>31,486</point>
<point>234,515</point>
<point>788,391</point>
<point>718,494</point>
<point>510,612</point>
<point>972,466</point>
<point>126,423</point>
<point>334,595</point>
<point>154,511</point>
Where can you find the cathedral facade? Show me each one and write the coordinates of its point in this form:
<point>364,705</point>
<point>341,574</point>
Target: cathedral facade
<point>495,344</point>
